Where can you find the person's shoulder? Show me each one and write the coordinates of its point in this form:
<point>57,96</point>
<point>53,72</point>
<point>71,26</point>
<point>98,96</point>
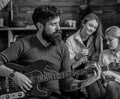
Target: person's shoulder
<point>62,44</point>
<point>72,36</point>
<point>28,38</point>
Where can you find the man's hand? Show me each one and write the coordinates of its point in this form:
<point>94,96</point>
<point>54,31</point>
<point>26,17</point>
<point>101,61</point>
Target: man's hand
<point>22,81</point>
<point>91,78</point>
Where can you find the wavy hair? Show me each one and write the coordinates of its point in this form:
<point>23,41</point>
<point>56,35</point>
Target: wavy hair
<point>44,13</point>
<point>97,42</point>
<point>113,31</point>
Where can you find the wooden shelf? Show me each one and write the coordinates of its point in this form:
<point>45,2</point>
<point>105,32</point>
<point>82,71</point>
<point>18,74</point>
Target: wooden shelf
<point>10,31</point>
<point>31,28</point>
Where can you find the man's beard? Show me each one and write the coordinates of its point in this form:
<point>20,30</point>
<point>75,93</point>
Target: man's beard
<point>54,38</point>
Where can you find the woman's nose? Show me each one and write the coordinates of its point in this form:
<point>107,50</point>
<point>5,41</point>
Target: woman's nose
<point>93,29</point>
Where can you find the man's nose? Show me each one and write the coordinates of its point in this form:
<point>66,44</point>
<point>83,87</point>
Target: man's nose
<point>58,26</point>
<point>107,42</point>
<point>59,31</point>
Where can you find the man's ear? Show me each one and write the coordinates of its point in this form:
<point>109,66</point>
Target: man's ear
<point>40,26</point>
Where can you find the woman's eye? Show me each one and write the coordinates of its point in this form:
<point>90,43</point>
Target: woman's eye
<point>52,24</point>
<point>91,25</point>
<point>109,40</point>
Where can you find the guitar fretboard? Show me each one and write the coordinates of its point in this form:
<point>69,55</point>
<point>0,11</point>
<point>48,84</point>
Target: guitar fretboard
<point>62,75</point>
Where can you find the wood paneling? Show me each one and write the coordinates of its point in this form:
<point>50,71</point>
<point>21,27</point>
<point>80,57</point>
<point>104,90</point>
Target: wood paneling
<point>23,9</point>
<point>39,2</point>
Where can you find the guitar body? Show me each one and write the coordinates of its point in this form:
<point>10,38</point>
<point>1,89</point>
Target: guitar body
<point>35,72</point>
<point>31,71</point>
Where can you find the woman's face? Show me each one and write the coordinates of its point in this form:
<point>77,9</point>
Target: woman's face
<point>112,42</point>
<point>90,26</point>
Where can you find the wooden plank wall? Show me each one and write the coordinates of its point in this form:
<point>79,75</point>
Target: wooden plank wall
<point>23,8</point>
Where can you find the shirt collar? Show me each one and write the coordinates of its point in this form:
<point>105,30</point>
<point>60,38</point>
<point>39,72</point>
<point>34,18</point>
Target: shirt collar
<point>41,40</point>
<point>78,37</point>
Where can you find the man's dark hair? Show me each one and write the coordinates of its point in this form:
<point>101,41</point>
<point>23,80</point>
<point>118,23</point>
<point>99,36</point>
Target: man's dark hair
<point>44,13</point>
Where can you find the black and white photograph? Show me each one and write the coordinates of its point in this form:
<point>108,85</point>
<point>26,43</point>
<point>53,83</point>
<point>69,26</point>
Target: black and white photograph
<point>59,49</point>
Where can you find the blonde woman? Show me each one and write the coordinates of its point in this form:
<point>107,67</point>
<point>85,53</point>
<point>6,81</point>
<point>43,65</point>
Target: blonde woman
<point>110,58</point>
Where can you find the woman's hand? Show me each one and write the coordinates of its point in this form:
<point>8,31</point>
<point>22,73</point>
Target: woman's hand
<point>22,81</point>
<point>85,52</point>
<point>108,73</point>
<point>81,84</point>
<point>112,74</point>
<point>81,54</point>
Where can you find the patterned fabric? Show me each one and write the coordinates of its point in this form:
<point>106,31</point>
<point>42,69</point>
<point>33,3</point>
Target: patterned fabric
<point>111,59</point>
<point>75,46</point>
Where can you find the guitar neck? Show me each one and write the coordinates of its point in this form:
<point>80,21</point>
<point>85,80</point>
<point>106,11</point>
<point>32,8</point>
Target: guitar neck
<point>62,75</point>
<point>44,78</point>
<point>104,68</point>
<point>57,76</point>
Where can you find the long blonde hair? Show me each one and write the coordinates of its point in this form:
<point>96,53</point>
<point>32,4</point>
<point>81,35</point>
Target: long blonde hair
<point>113,31</point>
<point>97,42</point>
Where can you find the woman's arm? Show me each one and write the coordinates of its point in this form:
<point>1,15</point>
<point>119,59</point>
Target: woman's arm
<point>113,74</point>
